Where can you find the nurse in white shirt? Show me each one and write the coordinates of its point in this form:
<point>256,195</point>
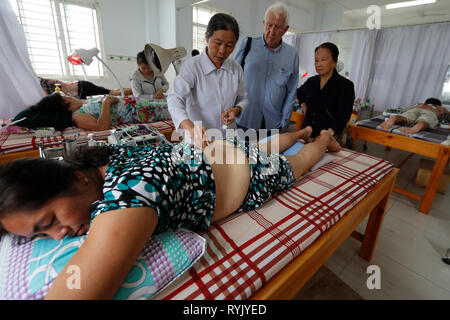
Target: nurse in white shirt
<point>210,87</point>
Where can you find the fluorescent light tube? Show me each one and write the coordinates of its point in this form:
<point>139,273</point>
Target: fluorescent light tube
<point>408,4</point>
<point>199,2</point>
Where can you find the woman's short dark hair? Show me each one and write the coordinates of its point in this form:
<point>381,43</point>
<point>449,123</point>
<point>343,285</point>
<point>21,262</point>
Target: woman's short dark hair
<point>330,46</point>
<point>195,52</point>
<point>28,184</point>
<point>222,21</point>
<point>140,58</point>
<point>434,101</point>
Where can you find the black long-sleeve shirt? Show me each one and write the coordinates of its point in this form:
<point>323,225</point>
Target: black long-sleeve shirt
<point>329,107</point>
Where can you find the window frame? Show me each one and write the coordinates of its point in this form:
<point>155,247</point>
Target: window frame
<point>195,24</point>
<point>63,41</point>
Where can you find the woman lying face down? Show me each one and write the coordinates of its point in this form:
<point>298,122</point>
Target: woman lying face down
<point>122,195</point>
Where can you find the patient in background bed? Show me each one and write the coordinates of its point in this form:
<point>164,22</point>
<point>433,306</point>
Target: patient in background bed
<point>80,89</point>
<point>97,113</point>
<point>423,116</point>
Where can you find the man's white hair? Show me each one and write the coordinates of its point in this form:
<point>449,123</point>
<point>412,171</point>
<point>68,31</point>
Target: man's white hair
<point>279,9</point>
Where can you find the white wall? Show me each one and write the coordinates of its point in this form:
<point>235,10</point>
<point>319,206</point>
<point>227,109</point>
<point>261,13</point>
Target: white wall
<point>152,21</point>
<point>167,27</point>
<point>329,16</point>
<point>127,26</point>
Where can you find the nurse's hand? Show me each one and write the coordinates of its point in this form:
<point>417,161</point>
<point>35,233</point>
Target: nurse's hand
<point>110,100</point>
<point>229,116</point>
<point>199,136</point>
<point>159,94</point>
<point>197,133</point>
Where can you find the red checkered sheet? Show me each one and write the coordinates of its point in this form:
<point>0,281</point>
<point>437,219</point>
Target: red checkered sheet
<point>248,249</point>
<point>16,142</point>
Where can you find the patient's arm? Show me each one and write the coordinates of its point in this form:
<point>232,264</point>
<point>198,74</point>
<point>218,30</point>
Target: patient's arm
<point>103,122</point>
<point>114,242</point>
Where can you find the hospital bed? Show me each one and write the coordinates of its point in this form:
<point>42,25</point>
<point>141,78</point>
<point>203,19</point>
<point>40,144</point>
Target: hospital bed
<point>433,143</point>
<point>19,142</point>
<point>271,252</point>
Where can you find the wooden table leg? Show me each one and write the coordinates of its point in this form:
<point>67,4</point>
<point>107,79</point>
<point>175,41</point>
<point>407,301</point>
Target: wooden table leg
<point>373,227</point>
<point>352,134</point>
<point>433,184</point>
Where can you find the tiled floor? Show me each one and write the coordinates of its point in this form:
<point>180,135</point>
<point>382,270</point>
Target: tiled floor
<point>410,245</point>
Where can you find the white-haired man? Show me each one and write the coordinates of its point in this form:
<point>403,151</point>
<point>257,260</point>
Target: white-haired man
<point>270,74</point>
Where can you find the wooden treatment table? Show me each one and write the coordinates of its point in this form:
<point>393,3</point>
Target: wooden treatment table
<point>429,149</point>
<point>286,283</point>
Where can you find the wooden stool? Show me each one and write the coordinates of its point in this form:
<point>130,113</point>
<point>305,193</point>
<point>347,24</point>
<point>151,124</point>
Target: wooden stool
<point>424,173</point>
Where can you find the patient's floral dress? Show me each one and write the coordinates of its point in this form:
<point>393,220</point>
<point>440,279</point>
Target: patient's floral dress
<point>122,111</point>
<point>128,110</point>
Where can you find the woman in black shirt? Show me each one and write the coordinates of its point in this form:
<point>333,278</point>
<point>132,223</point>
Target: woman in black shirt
<point>328,97</point>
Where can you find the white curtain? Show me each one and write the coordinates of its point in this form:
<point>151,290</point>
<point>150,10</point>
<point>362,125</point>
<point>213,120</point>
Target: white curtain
<point>19,85</point>
<point>409,65</point>
<point>305,45</point>
<point>362,60</point>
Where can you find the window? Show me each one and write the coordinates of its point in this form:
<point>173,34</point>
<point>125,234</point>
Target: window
<point>446,89</point>
<point>200,19</point>
<point>53,29</point>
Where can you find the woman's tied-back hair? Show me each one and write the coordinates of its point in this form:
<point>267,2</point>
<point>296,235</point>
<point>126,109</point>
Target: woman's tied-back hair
<point>28,184</point>
<point>140,58</point>
<point>278,9</point>
<point>332,48</point>
<point>222,21</point>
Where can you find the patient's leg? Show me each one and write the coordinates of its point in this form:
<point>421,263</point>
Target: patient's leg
<point>419,126</point>
<point>387,124</point>
<point>282,142</point>
<point>311,153</point>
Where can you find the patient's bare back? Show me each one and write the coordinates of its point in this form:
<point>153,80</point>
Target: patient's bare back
<point>231,172</point>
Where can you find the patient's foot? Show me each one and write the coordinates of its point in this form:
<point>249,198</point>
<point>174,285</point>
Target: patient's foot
<point>387,124</point>
<point>409,130</point>
<point>333,145</point>
<point>305,134</point>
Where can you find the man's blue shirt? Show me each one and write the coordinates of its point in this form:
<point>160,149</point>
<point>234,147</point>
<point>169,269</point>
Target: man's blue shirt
<point>271,79</point>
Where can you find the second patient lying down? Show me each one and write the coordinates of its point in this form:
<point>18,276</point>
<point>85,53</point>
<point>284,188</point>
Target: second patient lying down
<point>423,116</point>
<point>97,113</point>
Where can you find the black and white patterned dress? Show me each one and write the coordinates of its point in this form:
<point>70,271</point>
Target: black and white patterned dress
<point>179,184</point>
